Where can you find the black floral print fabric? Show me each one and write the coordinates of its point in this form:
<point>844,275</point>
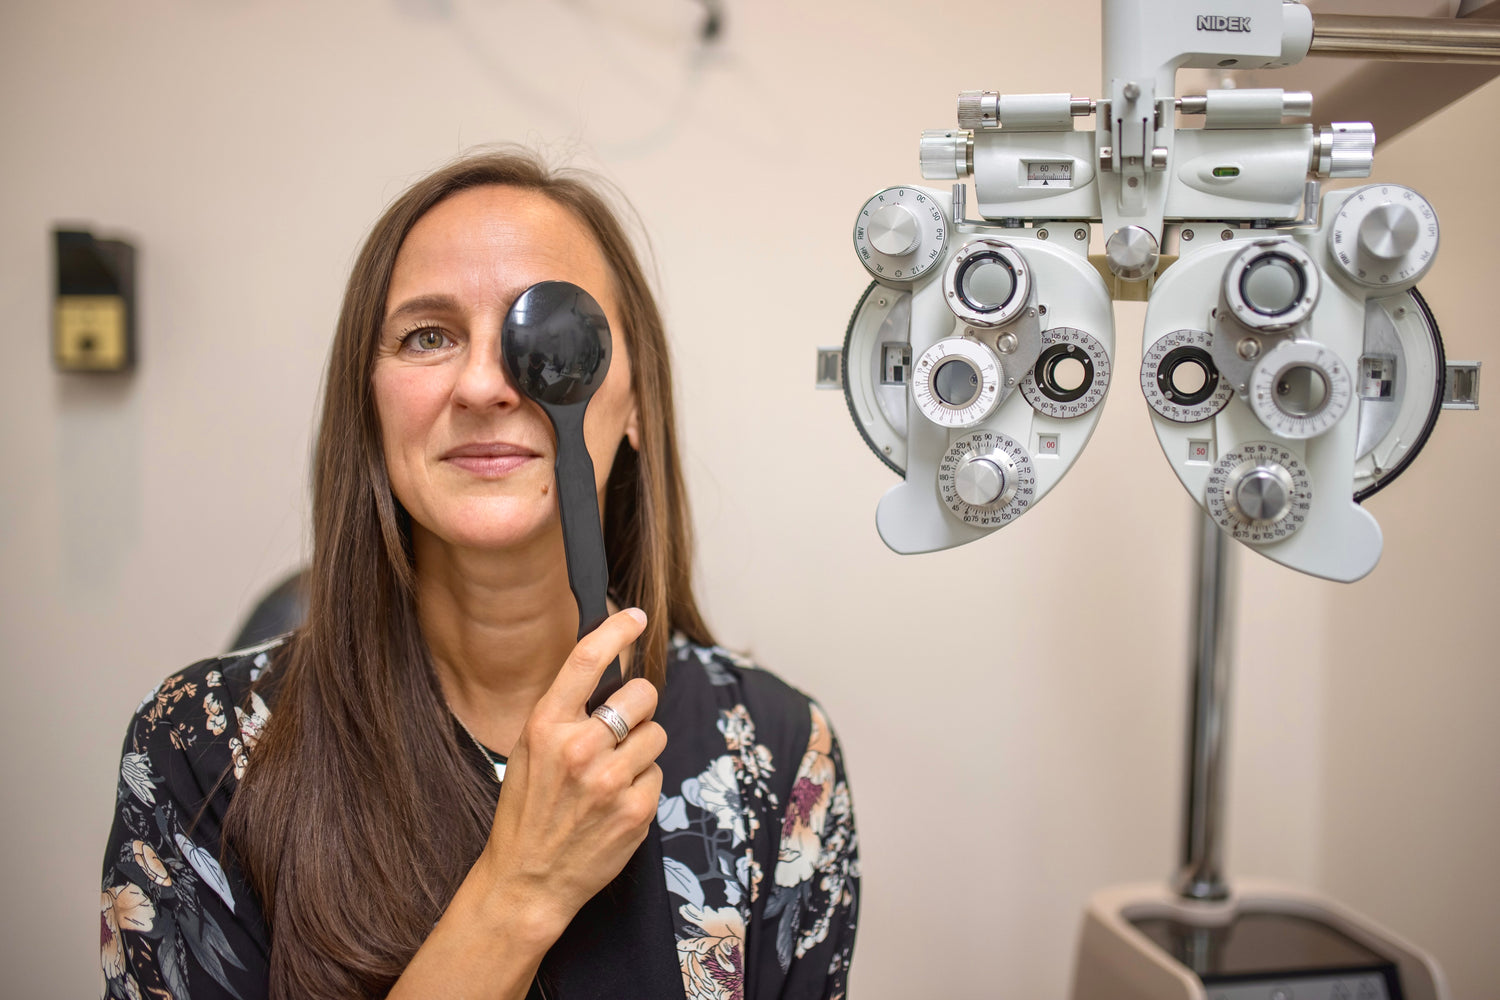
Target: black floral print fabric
<point>759,850</point>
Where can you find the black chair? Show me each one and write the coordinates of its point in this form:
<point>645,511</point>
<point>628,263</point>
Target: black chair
<point>278,612</point>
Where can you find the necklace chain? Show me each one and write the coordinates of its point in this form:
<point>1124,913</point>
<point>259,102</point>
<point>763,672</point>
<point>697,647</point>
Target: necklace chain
<point>498,766</point>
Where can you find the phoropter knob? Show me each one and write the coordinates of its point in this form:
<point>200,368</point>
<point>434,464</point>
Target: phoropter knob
<point>980,482</point>
<point>1389,231</point>
<point>1344,149</point>
<point>1132,253</point>
<point>945,154</point>
<point>986,480</point>
<point>1384,236</point>
<point>1262,494</point>
<point>900,233</point>
<point>894,230</point>
<point>978,109</point>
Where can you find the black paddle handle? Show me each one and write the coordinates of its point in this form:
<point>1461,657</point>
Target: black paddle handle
<point>583,538</point>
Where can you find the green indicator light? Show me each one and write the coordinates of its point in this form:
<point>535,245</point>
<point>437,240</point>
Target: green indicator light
<point>1226,171</point>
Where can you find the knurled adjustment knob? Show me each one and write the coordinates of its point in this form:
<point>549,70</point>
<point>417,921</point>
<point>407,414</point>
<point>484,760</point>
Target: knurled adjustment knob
<point>944,154</point>
<point>1263,494</point>
<point>1345,149</point>
<point>894,230</point>
<point>978,109</point>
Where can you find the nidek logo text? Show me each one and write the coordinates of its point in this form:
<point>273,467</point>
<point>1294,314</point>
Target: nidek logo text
<point>1216,22</point>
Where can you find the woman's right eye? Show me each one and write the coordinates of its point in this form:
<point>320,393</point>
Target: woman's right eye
<point>426,339</point>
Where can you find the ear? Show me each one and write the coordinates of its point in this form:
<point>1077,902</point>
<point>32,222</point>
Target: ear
<point>633,427</point>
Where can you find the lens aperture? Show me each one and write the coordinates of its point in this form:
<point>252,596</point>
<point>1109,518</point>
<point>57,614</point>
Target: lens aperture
<point>1272,285</point>
<point>956,382</point>
<point>987,282</point>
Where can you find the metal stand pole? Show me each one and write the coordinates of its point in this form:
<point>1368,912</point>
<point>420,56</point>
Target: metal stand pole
<point>1406,39</point>
<point>1201,876</point>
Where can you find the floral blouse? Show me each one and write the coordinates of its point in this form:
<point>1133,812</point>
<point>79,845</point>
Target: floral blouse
<point>756,831</point>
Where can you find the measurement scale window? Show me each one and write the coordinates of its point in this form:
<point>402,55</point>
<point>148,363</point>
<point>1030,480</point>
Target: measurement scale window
<point>1049,173</point>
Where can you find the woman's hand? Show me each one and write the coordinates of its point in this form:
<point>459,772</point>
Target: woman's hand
<point>574,806</point>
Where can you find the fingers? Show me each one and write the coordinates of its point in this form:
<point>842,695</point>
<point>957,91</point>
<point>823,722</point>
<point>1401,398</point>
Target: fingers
<point>608,773</point>
<point>640,749</point>
<point>634,703</point>
<point>580,673</point>
<point>647,786</point>
<point>576,802</point>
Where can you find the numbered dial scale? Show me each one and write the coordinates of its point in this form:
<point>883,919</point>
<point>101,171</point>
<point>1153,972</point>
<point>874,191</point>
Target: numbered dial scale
<point>1385,235</point>
<point>1259,493</point>
<point>986,479</point>
<point>1180,380</point>
<point>1300,390</point>
<point>956,382</point>
<point>900,233</point>
<point>1049,388</point>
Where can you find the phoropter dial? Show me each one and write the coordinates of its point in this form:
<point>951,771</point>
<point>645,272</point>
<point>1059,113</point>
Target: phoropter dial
<point>986,479</point>
<point>956,382</point>
<point>1272,285</point>
<point>1385,235</point>
<point>1070,376</point>
<point>1259,493</point>
<point>1180,379</point>
<point>1300,389</point>
<point>988,283</point>
<point>900,233</point>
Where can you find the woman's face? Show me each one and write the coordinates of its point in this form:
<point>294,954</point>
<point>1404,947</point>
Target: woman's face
<point>469,458</point>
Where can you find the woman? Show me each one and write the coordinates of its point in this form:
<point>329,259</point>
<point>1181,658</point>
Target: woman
<point>406,797</point>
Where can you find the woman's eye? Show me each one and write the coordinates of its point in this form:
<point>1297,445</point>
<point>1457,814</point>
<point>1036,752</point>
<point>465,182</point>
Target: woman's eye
<point>428,339</point>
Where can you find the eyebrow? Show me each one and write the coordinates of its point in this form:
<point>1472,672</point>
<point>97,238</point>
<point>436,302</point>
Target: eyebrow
<point>423,304</point>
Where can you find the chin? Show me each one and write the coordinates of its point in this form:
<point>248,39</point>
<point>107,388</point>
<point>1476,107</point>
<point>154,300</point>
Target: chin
<point>498,526</point>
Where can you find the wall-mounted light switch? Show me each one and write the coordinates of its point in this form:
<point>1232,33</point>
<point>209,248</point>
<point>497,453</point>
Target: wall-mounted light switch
<point>93,325</point>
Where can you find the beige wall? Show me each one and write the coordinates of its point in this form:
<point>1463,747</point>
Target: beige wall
<point>1003,769</point>
<point>1411,821</point>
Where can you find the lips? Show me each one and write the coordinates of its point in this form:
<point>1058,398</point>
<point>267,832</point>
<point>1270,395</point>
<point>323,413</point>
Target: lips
<point>489,458</point>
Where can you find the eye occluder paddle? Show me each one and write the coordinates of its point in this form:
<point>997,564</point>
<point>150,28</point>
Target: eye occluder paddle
<point>556,346</point>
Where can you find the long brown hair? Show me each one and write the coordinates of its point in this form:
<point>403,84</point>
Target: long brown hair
<point>360,813</point>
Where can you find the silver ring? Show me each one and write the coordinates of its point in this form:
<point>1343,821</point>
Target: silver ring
<point>614,720</point>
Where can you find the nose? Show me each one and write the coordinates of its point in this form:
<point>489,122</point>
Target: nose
<point>482,381</point>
